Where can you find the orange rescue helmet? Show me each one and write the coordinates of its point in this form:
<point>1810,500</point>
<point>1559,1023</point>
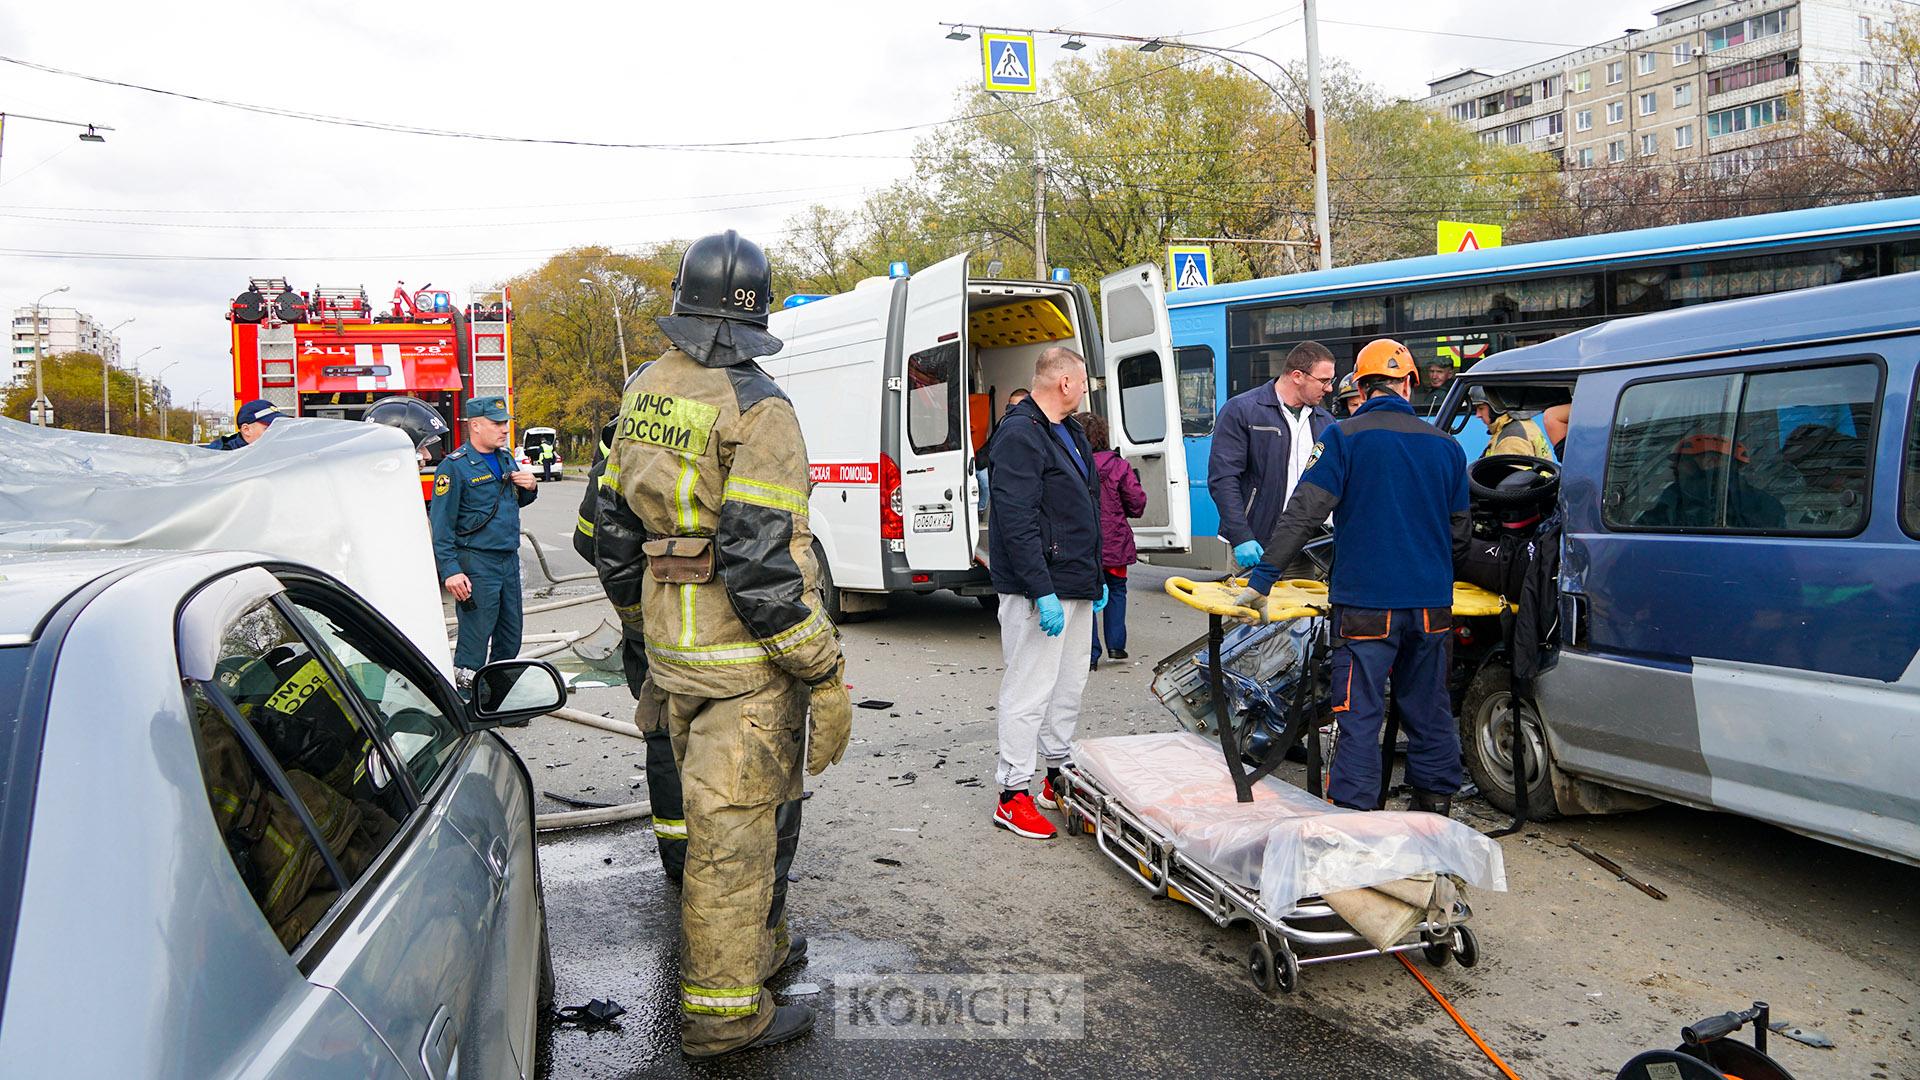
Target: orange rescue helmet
<point>1387,358</point>
<point>1694,445</point>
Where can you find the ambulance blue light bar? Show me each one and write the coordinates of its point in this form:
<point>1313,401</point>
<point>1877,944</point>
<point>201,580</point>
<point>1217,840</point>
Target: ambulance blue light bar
<point>802,298</point>
<point>898,269</point>
<point>1061,273</point>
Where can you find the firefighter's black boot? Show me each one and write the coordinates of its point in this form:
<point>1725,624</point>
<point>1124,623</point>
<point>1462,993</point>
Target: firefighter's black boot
<point>1431,803</point>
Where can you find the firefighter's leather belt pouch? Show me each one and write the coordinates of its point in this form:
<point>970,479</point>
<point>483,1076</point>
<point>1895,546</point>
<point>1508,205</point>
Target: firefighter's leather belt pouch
<point>680,560</point>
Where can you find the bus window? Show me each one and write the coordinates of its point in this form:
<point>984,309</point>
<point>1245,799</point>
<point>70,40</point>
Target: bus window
<point>1902,257</point>
<point>1365,315</point>
<point>1197,394</point>
<point>1684,284</point>
<point>1538,300</point>
<point>1143,399</point>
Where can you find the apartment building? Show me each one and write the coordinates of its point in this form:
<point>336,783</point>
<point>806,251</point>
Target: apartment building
<point>62,330</point>
<point>1712,79</point>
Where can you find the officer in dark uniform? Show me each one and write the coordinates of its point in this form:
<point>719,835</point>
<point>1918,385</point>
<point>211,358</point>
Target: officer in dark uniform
<point>1397,489</point>
<point>475,514</point>
<point>663,775</point>
<point>252,421</point>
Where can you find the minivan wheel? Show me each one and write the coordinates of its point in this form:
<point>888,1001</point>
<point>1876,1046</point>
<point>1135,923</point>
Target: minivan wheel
<point>1486,730</point>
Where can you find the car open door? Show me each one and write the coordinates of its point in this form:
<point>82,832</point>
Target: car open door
<point>1143,403</point>
<point>933,419</point>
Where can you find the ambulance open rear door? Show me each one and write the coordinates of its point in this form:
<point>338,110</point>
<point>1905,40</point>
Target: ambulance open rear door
<point>1143,403</point>
<point>937,521</point>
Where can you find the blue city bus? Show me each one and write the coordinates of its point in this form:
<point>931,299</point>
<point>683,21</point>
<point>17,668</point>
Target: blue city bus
<point>1464,307</point>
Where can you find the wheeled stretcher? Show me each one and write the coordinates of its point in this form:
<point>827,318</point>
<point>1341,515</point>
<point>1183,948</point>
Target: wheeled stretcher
<point>1318,883</point>
<point>1191,821</point>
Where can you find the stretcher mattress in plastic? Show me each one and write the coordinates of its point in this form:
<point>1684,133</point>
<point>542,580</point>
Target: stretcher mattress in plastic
<point>342,496</point>
<point>1285,843</point>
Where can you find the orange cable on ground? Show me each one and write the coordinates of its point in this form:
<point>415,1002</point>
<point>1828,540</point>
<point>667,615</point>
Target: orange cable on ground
<point>1457,1018</point>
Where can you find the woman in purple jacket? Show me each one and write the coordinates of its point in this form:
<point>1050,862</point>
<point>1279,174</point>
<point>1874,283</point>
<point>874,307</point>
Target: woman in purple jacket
<point>1121,497</point>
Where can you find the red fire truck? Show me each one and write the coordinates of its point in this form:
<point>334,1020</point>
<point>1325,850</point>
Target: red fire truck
<point>329,353</point>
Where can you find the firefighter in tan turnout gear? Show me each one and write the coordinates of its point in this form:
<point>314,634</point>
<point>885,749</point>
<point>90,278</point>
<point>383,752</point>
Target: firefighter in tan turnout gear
<point>708,457</point>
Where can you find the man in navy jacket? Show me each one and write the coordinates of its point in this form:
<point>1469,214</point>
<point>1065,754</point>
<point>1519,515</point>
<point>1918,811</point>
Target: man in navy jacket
<point>1397,489</point>
<point>1044,549</point>
<point>1260,447</point>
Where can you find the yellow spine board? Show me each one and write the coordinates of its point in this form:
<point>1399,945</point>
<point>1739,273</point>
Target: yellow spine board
<point>1301,598</point>
<point>1023,322</point>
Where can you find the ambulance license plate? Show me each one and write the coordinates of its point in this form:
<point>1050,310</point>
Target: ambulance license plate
<point>932,522</point>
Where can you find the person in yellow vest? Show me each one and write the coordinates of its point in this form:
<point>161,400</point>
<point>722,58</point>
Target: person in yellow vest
<point>709,459</point>
<point>1509,433</point>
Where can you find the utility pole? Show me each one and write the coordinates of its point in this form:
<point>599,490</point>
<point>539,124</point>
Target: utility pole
<point>1039,212</point>
<point>42,412</point>
<point>161,409</point>
<point>136,388</point>
<point>106,400</point>
<point>619,331</point>
<point>1039,200</point>
<point>1316,126</point>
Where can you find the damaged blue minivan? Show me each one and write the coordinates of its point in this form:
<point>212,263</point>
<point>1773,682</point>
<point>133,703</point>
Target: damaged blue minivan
<point>1739,567</point>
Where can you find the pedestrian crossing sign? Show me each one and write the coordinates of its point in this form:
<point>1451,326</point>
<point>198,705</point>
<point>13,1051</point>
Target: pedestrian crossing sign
<point>1189,267</point>
<point>1009,63</point>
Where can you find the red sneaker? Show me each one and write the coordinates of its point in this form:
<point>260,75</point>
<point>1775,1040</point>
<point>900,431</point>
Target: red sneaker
<point>1047,800</point>
<point>1019,816</point>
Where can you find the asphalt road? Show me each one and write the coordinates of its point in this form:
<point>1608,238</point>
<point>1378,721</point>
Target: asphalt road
<point>901,872</point>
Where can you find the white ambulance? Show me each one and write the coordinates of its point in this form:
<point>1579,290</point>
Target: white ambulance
<point>899,382</point>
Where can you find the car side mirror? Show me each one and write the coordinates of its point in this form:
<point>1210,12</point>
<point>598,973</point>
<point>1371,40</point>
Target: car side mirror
<point>509,690</point>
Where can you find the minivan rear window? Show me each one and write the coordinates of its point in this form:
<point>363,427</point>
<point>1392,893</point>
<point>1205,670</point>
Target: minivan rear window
<point>1910,482</point>
<point>1787,451</point>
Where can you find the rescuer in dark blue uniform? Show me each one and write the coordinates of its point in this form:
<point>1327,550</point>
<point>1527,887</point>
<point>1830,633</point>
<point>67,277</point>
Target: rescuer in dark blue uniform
<point>1397,489</point>
<point>252,421</point>
<point>475,514</point>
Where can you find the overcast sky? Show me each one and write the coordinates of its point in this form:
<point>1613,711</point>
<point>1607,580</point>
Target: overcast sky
<point>207,196</point>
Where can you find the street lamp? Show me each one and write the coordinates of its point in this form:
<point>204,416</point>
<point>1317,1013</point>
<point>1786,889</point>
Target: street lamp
<point>91,135</point>
<point>1316,128</point>
<point>42,413</point>
<point>106,403</point>
<point>195,410</point>
<point>136,387</point>
<point>619,331</point>
<point>156,396</point>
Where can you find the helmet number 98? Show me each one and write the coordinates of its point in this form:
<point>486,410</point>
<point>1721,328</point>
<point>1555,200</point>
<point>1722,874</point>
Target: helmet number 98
<point>746,298</point>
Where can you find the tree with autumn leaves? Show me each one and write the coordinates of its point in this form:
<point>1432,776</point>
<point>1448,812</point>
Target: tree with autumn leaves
<point>1138,149</point>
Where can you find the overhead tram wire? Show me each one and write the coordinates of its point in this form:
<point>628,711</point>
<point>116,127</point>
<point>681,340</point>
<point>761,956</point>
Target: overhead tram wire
<point>744,146</point>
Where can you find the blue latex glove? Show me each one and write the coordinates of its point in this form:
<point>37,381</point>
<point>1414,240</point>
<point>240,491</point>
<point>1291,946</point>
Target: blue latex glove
<point>1262,577</point>
<point>1248,553</point>
<point>1053,619</point>
<point>1102,602</point>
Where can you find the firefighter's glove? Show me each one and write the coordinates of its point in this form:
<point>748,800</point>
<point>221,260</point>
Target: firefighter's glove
<point>1053,618</point>
<point>831,717</point>
<point>1100,604</point>
<point>1247,554</point>
<point>1255,599</point>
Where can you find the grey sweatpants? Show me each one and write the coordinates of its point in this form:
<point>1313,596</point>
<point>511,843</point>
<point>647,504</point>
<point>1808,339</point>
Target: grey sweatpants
<point>1040,692</point>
